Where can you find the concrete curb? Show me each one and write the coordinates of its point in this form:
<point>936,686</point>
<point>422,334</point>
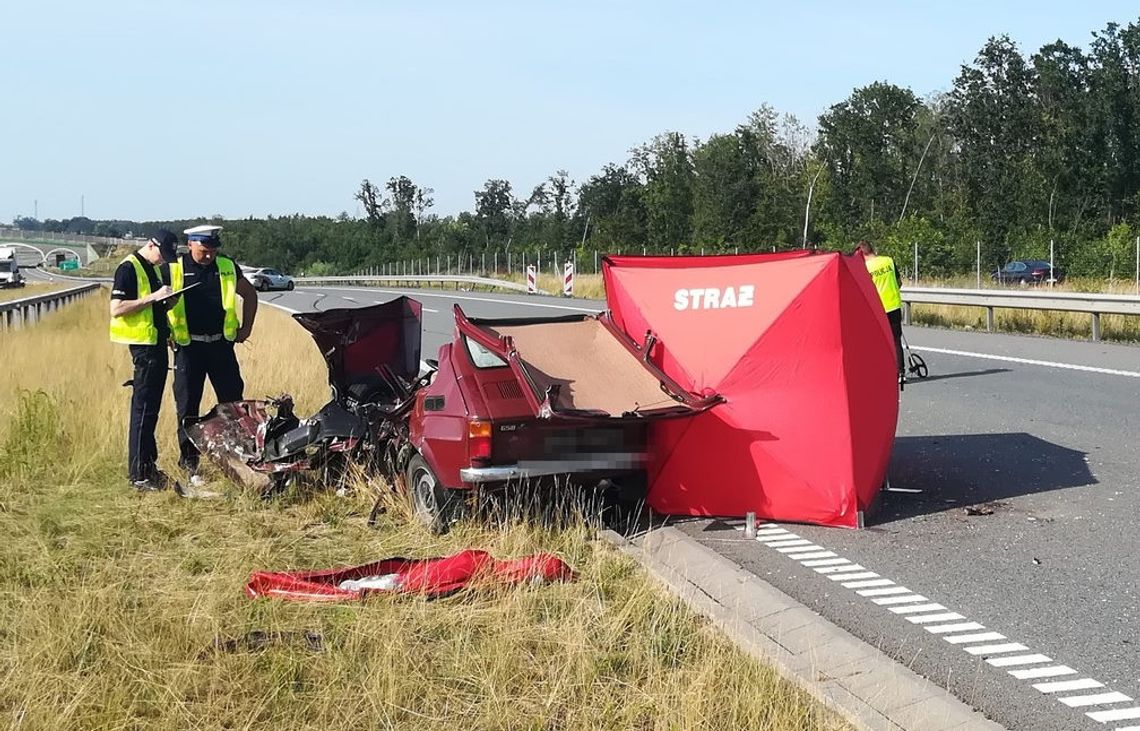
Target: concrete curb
<point>861,683</point>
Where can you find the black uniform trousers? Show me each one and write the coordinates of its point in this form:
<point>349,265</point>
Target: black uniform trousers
<point>151,362</point>
<point>894,317</point>
<point>192,364</point>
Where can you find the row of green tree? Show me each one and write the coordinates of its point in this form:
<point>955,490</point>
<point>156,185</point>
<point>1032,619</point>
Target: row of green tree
<point>1021,151</point>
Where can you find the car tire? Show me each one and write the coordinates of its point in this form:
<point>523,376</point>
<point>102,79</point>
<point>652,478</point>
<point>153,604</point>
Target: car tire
<point>433,506</point>
<point>289,286</point>
<point>625,506</point>
<point>263,285</point>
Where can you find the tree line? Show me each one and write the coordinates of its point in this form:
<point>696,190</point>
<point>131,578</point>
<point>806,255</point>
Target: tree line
<point>1020,151</point>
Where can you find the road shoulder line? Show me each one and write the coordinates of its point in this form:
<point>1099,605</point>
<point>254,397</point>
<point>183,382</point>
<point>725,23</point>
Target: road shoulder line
<point>858,681</point>
<point>1028,361</point>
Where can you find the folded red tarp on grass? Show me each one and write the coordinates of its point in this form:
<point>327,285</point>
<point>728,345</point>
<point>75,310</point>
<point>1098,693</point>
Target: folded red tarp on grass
<point>431,577</point>
<point>799,346</point>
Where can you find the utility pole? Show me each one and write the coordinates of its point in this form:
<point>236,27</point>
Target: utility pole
<point>807,209</point>
<point>1052,278</point>
<point>81,209</point>
<point>915,178</point>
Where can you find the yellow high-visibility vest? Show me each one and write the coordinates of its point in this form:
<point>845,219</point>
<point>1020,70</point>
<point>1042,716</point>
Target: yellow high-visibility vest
<point>227,276</point>
<point>882,271</point>
<point>137,328</point>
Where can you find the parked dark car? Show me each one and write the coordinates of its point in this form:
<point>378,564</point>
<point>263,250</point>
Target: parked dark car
<point>1027,271</point>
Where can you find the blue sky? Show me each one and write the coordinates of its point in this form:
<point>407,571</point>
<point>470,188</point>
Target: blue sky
<point>154,109</point>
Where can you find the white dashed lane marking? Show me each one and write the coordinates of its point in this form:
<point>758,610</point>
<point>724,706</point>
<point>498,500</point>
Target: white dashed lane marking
<point>1049,672</point>
<point>1059,682</point>
<point>1064,686</point>
<point>1099,699</point>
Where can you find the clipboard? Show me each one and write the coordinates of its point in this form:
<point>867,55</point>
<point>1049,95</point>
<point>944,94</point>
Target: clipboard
<point>174,294</point>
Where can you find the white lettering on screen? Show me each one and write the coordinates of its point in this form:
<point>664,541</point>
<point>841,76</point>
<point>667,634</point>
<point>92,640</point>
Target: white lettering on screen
<point>713,298</point>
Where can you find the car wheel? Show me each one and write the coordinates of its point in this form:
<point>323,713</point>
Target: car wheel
<point>263,285</point>
<point>289,286</point>
<point>433,506</point>
<point>625,507</point>
<point>1024,282</point>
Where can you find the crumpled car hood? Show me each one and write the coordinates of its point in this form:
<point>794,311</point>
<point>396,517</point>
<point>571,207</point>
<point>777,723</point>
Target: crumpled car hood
<point>364,347</point>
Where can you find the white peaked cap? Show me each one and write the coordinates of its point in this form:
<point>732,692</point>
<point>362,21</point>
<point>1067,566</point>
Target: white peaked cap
<point>204,230</point>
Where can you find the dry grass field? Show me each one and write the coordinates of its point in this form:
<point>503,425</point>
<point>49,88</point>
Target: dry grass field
<point>121,610</point>
<point>31,289</point>
<point>1035,322</point>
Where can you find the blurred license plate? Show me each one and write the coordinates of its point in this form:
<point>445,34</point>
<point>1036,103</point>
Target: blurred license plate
<point>571,441</point>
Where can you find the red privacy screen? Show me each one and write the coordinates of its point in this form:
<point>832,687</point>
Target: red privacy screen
<point>799,346</point>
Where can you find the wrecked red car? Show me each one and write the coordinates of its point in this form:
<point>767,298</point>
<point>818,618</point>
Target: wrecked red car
<point>373,359</point>
<point>508,401</point>
<point>518,400</point>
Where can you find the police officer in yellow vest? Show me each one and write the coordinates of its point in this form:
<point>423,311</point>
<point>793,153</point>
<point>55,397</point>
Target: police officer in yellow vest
<point>204,326</point>
<point>888,282</point>
<point>138,319</point>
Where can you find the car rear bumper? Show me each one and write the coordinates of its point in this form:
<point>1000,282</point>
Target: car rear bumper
<point>609,462</point>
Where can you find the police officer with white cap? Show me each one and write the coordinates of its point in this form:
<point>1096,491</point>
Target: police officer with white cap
<point>138,319</point>
<point>204,326</point>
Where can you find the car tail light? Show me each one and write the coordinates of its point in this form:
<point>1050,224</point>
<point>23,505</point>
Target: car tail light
<point>479,440</point>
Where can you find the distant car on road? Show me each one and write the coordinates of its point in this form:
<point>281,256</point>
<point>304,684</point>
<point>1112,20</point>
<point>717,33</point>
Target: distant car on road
<point>10,268</point>
<point>266,279</point>
<point>1027,271</point>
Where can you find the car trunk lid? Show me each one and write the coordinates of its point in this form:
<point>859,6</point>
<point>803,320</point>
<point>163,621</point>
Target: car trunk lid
<point>582,368</point>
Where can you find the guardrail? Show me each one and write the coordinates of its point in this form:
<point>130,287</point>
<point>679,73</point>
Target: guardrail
<point>28,310</point>
<point>990,299</point>
<point>414,280</point>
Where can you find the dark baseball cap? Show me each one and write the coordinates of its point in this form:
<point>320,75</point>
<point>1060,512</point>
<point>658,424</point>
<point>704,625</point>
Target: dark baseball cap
<point>167,244</point>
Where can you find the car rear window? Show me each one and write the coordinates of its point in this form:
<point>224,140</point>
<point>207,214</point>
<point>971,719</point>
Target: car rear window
<point>481,357</point>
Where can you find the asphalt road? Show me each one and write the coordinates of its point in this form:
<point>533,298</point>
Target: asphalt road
<point>1009,530</point>
<point>37,275</point>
